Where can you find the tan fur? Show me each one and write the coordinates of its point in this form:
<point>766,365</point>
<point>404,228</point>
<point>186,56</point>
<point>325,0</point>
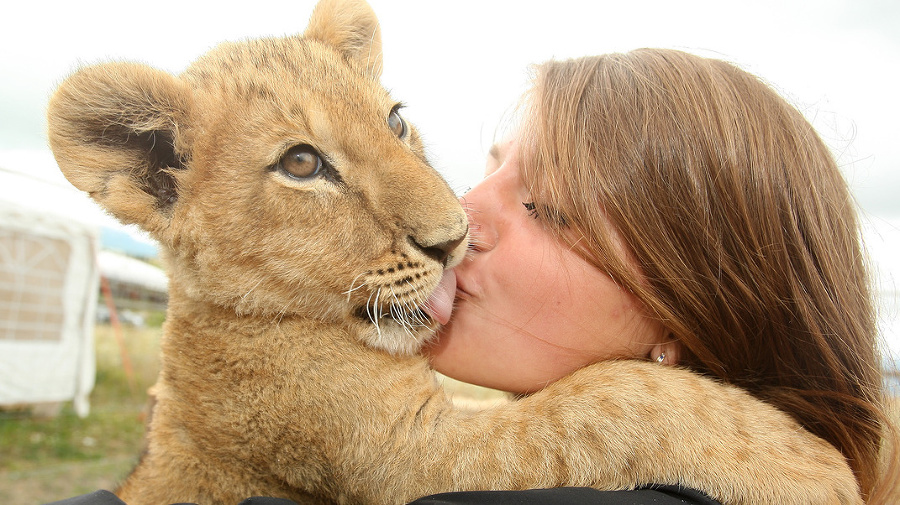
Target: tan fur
<point>275,381</point>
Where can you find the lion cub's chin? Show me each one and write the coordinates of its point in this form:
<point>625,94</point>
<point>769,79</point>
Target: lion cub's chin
<point>396,337</point>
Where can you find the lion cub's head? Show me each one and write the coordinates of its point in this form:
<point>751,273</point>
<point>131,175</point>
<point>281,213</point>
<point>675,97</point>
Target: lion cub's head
<point>278,175</point>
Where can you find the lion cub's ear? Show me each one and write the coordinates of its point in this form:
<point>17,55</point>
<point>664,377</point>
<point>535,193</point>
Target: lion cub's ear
<point>352,28</point>
<point>115,130</point>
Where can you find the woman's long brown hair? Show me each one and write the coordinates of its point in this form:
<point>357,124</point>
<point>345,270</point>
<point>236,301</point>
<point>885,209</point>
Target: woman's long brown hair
<point>741,223</point>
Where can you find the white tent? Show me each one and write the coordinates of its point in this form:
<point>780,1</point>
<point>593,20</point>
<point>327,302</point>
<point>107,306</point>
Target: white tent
<point>124,269</point>
<point>48,288</point>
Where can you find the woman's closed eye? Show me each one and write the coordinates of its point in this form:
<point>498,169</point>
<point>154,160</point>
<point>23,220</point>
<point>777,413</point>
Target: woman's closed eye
<point>552,215</point>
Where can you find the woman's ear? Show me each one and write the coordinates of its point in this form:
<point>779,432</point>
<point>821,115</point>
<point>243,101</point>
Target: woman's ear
<point>667,352</point>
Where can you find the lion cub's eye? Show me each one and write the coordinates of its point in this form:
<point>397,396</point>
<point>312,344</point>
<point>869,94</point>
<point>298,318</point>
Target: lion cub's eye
<point>301,162</point>
<point>397,124</point>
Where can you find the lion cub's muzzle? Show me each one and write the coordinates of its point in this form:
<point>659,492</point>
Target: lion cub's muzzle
<point>390,298</point>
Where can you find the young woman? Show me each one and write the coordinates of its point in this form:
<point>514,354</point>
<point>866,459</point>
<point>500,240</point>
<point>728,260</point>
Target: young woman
<point>659,205</point>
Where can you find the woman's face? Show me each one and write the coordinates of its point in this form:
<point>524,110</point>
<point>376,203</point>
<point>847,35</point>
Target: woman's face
<point>528,309</point>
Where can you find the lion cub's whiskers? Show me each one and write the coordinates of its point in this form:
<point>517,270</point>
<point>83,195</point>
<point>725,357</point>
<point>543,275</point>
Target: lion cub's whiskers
<point>476,243</point>
<point>375,308</point>
<point>352,289</point>
<point>251,289</point>
<point>407,314</point>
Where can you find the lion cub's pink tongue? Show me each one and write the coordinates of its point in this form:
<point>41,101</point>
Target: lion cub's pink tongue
<point>440,304</point>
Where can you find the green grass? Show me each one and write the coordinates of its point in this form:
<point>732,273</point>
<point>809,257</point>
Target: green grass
<point>49,458</point>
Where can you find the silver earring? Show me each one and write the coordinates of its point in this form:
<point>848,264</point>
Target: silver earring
<point>661,358</point>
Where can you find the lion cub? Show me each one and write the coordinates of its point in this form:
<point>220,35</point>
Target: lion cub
<point>303,230</point>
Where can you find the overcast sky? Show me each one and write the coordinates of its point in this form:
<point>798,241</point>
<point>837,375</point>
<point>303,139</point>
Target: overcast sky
<point>460,65</point>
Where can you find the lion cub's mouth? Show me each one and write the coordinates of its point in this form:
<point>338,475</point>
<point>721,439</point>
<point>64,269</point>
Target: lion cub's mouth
<point>417,317</point>
<point>397,329</point>
<point>399,311</point>
<point>436,309</point>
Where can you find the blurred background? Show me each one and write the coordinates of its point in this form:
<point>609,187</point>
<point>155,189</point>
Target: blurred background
<point>82,298</point>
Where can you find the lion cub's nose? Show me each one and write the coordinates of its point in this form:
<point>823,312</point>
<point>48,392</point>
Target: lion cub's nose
<point>439,251</point>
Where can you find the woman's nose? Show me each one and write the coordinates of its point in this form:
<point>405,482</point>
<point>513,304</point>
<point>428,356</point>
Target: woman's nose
<point>482,236</point>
